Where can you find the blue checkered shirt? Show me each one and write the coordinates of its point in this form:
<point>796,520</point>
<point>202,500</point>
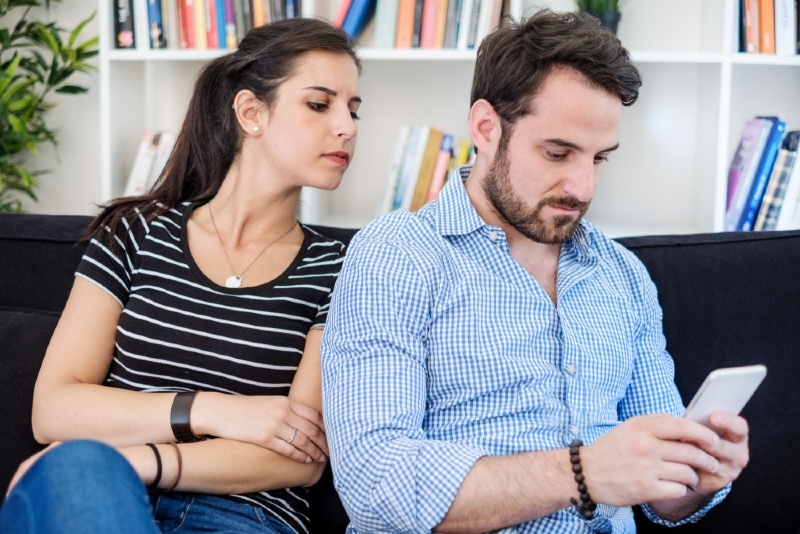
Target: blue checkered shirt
<point>440,348</point>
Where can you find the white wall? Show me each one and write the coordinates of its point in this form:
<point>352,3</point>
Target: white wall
<point>73,184</point>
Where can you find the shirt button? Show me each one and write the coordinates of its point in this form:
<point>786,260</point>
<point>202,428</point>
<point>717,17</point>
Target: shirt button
<point>571,369</point>
<point>493,236</point>
<point>575,430</point>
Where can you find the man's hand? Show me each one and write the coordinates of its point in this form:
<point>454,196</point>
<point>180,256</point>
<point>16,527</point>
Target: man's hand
<point>659,458</point>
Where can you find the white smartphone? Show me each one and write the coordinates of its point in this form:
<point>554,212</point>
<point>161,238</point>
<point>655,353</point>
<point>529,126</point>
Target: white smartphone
<point>725,390</point>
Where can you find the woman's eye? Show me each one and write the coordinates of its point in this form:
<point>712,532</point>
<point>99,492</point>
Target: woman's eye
<point>556,156</point>
<point>317,106</point>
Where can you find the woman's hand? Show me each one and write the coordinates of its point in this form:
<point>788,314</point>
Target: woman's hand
<point>26,464</point>
<point>278,423</point>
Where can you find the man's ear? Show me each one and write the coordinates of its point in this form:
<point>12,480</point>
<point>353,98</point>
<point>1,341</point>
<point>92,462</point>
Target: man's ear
<point>484,127</point>
<point>251,113</point>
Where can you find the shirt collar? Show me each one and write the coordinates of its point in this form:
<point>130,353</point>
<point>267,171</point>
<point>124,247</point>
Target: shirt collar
<point>455,215</point>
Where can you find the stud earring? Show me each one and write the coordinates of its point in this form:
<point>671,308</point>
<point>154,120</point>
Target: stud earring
<point>255,129</point>
<point>234,107</point>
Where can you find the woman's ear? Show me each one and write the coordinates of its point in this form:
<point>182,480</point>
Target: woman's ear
<point>484,127</point>
<point>250,112</point>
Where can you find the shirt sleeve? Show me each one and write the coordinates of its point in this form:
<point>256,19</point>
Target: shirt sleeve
<point>111,267</point>
<point>389,476</point>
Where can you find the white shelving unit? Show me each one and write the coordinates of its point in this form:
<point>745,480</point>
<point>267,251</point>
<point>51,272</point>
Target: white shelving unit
<point>669,175</point>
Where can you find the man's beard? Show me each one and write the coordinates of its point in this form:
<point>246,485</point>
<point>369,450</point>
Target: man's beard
<point>528,221</point>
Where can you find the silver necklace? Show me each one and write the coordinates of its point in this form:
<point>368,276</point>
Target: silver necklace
<point>235,281</point>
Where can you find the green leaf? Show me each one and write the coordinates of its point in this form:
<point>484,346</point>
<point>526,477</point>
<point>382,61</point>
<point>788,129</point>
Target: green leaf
<point>71,89</point>
<point>74,34</point>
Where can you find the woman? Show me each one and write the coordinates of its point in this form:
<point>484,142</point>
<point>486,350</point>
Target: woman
<point>197,311</point>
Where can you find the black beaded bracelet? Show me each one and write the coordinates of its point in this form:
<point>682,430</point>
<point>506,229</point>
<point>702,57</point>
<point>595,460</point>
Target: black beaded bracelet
<point>156,480</point>
<point>587,506</point>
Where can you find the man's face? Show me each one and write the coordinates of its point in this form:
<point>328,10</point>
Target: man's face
<point>546,167</point>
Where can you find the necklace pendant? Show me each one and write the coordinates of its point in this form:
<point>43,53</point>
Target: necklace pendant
<point>234,281</point>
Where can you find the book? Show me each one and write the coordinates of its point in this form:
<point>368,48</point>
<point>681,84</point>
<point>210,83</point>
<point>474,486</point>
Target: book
<point>244,18</point>
<point>789,213</point>
<point>425,174</point>
<point>763,172</point>
<point>462,36</point>
<point>474,19</point>
<point>743,169</point>
<point>164,142</point>
<point>427,37</point>
<point>742,160</point>
<point>385,24</point>
<point>357,17</point>
<point>200,35</point>
<point>785,27</point>
<point>766,26</point>
<point>141,24</point>
<point>231,37</point>
<point>142,163</point>
<point>186,17</point>
<point>172,24</point>
<point>212,37</point>
<point>441,22</point>
<point>416,34</point>
<point>442,167</point>
<point>778,180</point>
<point>451,24</point>
<point>405,24</point>
<point>750,13</point>
<point>124,24</point>
<point>155,24</point>
<point>392,175</point>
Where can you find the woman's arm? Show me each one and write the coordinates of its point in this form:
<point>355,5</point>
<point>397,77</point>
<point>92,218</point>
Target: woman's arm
<point>239,467</point>
<point>71,403</point>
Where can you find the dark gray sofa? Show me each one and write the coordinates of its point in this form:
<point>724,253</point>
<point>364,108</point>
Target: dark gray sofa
<point>728,299</point>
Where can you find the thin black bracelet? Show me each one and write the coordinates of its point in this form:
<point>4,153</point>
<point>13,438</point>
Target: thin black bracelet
<point>587,506</point>
<point>155,482</point>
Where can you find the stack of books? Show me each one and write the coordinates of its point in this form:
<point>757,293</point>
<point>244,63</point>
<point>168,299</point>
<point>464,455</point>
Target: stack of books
<point>764,178</point>
<point>421,161</point>
<point>769,27</point>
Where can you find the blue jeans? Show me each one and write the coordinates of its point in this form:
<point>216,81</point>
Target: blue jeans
<point>88,487</point>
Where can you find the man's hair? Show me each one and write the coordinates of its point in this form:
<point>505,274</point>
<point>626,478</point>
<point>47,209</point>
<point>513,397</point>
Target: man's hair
<point>514,60</point>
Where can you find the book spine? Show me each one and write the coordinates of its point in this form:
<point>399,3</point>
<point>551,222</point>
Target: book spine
<point>750,166</point>
<point>212,39</point>
<point>771,199</point>
<point>451,25</point>
<point>124,27</point>
<point>785,27</point>
<point>385,24</point>
<point>462,38</point>
<point>751,25</point>
<point>172,22</point>
<point>427,38</point>
<point>417,32</point>
<point>405,24</point>
<point>155,24</point>
<point>762,176</point>
<point>441,24</point>
<point>200,35</point>
<point>141,24</point>
<point>442,165</point>
<point>766,29</point>
<point>231,39</point>
<point>356,17</point>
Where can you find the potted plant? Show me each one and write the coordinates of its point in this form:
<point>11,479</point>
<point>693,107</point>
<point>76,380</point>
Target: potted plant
<point>36,59</point>
<point>607,11</point>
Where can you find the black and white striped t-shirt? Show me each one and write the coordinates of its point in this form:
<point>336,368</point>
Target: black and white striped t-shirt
<point>179,331</point>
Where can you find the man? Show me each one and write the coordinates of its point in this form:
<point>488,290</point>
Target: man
<point>472,347</point>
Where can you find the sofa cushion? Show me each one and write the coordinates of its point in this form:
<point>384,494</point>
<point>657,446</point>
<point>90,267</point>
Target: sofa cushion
<point>725,296</point>
<point>24,336</point>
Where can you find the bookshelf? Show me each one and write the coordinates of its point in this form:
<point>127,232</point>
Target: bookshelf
<point>669,176</point>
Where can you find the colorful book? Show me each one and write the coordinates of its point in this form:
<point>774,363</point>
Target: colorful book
<point>124,27</point>
<point>763,172</point>
<point>750,13</point>
<point>789,214</point>
<point>427,165</point>
<point>743,168</point>
<point>441,24</point>
<point>155,24</point>
<point>451,24</point>
<point>171,22</point>
<point>404,33</point>
<point>778,180</point>
<point>462,38</point>
<point>766,26</point>
<point>141,24</point>
<point>442,167</point>
<point>430,9</point>
<point>212,37</point>
<point>186,16</point>
<point>200,35</point>
<point>231,38</point>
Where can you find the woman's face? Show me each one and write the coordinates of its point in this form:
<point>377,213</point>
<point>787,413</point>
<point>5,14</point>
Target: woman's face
<point>309,131</point>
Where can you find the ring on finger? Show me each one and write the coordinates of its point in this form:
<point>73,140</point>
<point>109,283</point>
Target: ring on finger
<point>291,439</point>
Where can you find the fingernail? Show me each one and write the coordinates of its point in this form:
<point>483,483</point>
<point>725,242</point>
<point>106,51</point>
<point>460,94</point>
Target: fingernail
<point>309,459</point>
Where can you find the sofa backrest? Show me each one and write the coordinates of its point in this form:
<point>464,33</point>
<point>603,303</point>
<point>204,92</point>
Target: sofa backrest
<point>733,299</point>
